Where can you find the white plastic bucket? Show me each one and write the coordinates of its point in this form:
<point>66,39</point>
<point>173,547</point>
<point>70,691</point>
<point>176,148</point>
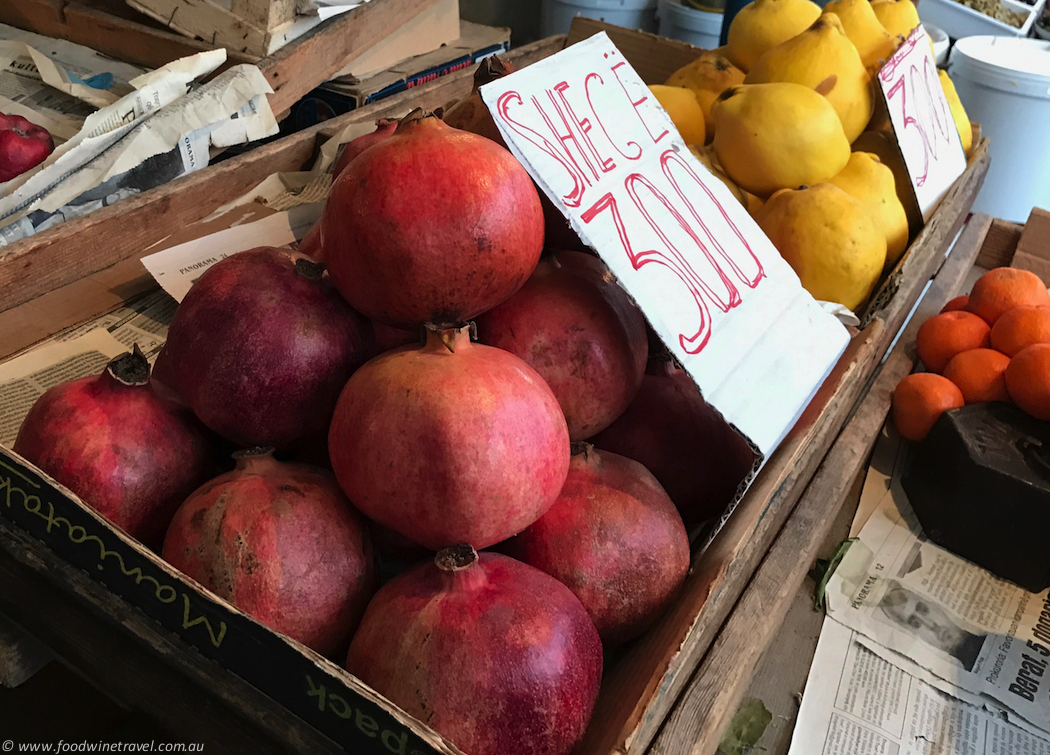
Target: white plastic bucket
<point>698,28</point>
<point>940,43</point>
<point>632,14</point>
<point>1004,84</point>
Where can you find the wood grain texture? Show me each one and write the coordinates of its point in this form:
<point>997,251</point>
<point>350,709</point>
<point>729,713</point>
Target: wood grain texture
<point>643,688</point>
<point>265,14</point>
<point>716,690</point>
<point>71,251</point>
<point>208,21</point>
<point>304,63</point>
<point>1000,244</point>
<point>782,670</point>
<point>21,655</point>
<point>120,38</point>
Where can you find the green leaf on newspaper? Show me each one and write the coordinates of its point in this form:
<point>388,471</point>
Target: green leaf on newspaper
<point>822,571</point>
<point>746,728</point>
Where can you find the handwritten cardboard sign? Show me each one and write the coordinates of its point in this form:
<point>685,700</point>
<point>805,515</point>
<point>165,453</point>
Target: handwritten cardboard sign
<point>709,281</point>
<point>922,120</point>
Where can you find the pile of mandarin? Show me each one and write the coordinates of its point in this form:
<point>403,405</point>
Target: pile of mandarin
<point>990,345</point>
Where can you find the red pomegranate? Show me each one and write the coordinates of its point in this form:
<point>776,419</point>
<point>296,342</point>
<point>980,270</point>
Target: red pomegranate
<point>312,244</point>
<point>388,338</point>
<point>449,442</point>
<point>384,128</point>
<point>471,114</point>
<point>262,345</point>
<point>282,543</point>
<point>576,327</point>
<point>491,653</point>
<point>694,454</point>
<point>432,225</point>
<point>129,453</point>
<point>614,538</point>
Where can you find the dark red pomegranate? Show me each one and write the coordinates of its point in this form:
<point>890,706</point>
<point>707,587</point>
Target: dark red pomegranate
<point>388,338</point>
<point>614,538</point>
<point>576,327</point>
<point>449,441</point>
<point>262,345</point>
<point>161,378</point>
<point>282,543</point>
<point>129,453</point>
<point>694,454</point>
<point>491,653</point>
<point>384,128</point>
<point>432,224</point>
<point>312,244</point>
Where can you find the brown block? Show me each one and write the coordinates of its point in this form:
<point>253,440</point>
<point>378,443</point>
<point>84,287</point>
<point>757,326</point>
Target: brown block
<point>1033,250</point>
<point>999,245</point>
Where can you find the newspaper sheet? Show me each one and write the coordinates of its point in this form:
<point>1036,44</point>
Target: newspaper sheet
<point>149,137</point>
<point>176,269</point>
<point>80,352</point>
<point>859,703</point>
<point>957,621</point>
<point>25,379</point>
<point>55,83</point>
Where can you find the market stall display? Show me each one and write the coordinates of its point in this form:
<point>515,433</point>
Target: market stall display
<point>642,686</point>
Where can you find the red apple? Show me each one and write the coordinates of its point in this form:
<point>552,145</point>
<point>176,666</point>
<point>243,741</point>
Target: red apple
<point>23,145</point>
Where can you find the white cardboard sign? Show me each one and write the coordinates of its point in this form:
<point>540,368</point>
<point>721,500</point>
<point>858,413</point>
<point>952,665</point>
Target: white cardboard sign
<point>709,281</point>
<point>922,120</point>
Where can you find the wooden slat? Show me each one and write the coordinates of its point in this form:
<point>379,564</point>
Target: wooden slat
<point>642,689</point>
<point>216,25</point>
<point>697,723</point>
<point>304,63</point>
<point>120,38</point>
<point>71,251</point>
<point>21,655</point>
<point>266,14</point>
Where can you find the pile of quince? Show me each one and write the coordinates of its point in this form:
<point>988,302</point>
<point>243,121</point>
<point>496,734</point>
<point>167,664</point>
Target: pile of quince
<point>783,116</point>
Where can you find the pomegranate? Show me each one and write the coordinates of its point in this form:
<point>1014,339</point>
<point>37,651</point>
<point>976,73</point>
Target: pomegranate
<point>491,653</point>
<point>471,114</point>
<point>433,225</point>
<point>281,542</point>
<point>388,338</point>
<point>449,442</point>
<point>384,128</point>
<point>129,453</point>
<point>576,327</point>
<point>161,378</point>
<point>312,244</point>
<point>614,538</point>
<point>694,454</point>
<point>262,345</point>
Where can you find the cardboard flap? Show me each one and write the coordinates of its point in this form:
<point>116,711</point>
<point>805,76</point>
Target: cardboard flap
<point>710,283</point>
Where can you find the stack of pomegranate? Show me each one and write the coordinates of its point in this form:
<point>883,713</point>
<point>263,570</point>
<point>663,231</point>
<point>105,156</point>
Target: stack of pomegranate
<point>468,437</point>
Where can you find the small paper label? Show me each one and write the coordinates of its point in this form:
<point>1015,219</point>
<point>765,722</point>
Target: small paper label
<point>922,120</point>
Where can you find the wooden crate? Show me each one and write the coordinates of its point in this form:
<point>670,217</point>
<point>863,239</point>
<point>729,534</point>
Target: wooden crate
<point>60,604</point>
<point>292,71</point>
<point>726,675</point>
